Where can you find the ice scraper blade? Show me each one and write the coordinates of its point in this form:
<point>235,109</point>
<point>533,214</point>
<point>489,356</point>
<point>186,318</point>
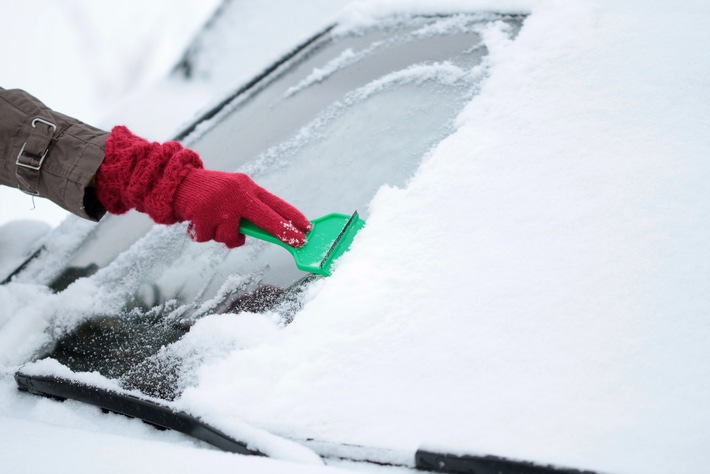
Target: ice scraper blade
<point>330,237</point>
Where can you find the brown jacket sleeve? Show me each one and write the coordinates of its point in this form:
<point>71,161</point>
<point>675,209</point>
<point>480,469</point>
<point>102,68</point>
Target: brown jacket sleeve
<point>45,153</point>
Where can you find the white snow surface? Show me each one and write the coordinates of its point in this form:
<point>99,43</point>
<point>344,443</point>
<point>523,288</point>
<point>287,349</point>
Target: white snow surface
<point>538,290</point>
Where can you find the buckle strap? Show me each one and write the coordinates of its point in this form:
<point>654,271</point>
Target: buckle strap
<point>32,154</point>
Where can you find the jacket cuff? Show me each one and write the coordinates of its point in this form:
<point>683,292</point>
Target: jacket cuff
<point>142,175</point>
<point>48,154</point>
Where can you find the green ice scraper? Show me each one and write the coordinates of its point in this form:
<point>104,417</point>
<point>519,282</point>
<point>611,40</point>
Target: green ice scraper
<point>330,237</point>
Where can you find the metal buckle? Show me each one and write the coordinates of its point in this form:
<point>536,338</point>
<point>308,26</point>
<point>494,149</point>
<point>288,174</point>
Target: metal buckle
<point>25,165</point>
<point>44,155</point>
<point>37,119</point>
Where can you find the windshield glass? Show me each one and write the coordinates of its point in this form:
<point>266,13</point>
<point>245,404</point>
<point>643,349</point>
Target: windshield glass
<point>350,113</point>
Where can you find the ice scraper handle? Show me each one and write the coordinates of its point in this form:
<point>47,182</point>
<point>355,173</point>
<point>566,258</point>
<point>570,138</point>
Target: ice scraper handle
<point>329,238</point>
<point>247,228</point>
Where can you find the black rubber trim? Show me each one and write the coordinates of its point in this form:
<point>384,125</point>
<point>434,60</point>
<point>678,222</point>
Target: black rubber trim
<point>471,464</point>
<point>253,82</point>
<point>164,417</point>
<point>128,405</point>
<point>22,266</point>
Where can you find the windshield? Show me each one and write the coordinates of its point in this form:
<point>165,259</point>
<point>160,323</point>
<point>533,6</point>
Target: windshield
<point>348,114</point>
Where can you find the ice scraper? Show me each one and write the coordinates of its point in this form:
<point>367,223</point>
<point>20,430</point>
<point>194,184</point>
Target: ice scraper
<point>330,237</point>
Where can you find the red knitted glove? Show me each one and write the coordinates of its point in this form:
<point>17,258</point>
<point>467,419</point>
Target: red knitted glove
<point>214,202</point>
<point>168,182</point>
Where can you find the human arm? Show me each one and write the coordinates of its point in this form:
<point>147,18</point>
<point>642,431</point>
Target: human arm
<point>169,183</point>
<point>89,171</point>
<point>73,152</point>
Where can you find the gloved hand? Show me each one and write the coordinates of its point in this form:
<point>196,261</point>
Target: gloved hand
<point>168,182</point>
<point>214,202</point>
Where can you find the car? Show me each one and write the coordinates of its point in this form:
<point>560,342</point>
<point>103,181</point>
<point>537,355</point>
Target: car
<point>528,293</point>
<point>342,115</point>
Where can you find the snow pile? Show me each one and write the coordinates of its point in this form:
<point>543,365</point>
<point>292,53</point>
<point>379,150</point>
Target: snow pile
<point>72,450</point>
<point>360,13</point>
<point>448,25</point>
<point>540,284</point>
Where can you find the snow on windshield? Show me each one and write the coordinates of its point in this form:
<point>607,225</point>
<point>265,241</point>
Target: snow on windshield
<point>449,25</point>
<point>543,277</point>
<point>375,134</point>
